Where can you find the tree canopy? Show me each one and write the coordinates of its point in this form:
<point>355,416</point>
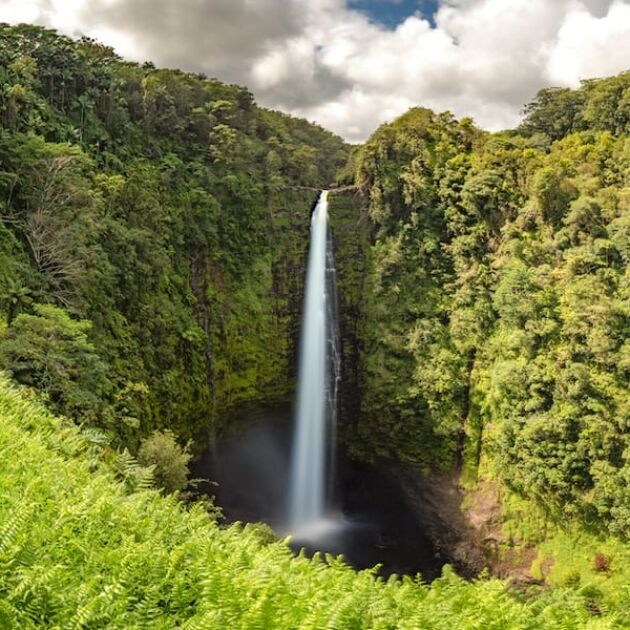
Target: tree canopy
<point>165,210</point>
<point>497,316</point>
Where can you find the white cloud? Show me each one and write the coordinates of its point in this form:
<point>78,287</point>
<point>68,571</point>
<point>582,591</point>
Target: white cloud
<point>16,11</point>
<point>317,58</point>
<point>588,46</point>
<point>65,15</point>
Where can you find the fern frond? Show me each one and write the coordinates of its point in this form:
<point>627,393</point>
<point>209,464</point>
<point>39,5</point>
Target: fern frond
<point>11,528</point>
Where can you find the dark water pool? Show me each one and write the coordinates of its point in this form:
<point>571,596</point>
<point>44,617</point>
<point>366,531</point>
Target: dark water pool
<point>370,523</point>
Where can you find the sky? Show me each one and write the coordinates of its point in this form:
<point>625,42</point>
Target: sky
<point>351,65</point>
<point>390,13</point>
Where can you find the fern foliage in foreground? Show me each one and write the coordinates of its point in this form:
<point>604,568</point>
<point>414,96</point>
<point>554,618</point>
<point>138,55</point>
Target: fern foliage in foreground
<point>78,551</point>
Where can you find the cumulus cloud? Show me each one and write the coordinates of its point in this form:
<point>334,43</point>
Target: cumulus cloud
<point>322,60</point>
<point>589,47</point>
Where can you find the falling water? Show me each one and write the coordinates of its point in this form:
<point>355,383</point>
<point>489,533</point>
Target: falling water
<point>318,377</point>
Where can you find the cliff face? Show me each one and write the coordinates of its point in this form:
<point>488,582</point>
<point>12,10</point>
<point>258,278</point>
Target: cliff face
<point>494,316</point>
<point>257,325</point>
<point>351,246</point>
<point>260,364</point>
<point>166,211</point>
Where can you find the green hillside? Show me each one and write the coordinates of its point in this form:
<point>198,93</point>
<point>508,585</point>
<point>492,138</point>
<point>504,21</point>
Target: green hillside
<point>169,213</point>
<point>497,309</point>
<point>77,550</point>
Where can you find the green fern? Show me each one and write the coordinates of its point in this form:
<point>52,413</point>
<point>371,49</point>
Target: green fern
<point>135,476</point>
<point>96,436</point>
<point>81,550</point>
<point>12,527</point>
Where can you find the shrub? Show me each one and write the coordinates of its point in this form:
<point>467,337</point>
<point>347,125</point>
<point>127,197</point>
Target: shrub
<point>168,459</point>
<point>572,579</point>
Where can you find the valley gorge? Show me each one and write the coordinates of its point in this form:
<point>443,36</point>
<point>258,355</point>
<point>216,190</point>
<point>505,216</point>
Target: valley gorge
<point>153,251</point>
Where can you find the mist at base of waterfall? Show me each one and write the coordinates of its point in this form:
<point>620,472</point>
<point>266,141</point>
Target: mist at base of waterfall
<point>294,478</point>
<point>368,523</point>
<point>325,534</point>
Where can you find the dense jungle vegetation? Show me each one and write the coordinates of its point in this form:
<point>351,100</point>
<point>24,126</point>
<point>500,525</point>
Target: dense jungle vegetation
<point>152,242</point>
<point>154,225</point>
<point>78,549</point>
<point>498,300</point>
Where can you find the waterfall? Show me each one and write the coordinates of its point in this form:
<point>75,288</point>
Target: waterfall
<point>318,379</point>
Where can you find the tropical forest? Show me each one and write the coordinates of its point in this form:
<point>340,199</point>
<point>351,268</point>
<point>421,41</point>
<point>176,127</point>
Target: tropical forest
<point>256,376</point>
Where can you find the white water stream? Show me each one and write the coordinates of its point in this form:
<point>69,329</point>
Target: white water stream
<point>318,377</point>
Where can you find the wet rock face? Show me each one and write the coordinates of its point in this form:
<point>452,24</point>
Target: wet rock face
<point>371,494</point>
<point>436,501</point>
<point>350,233</point>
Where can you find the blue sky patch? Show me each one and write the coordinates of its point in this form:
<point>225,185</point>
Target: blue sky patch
<point>390,13</point>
